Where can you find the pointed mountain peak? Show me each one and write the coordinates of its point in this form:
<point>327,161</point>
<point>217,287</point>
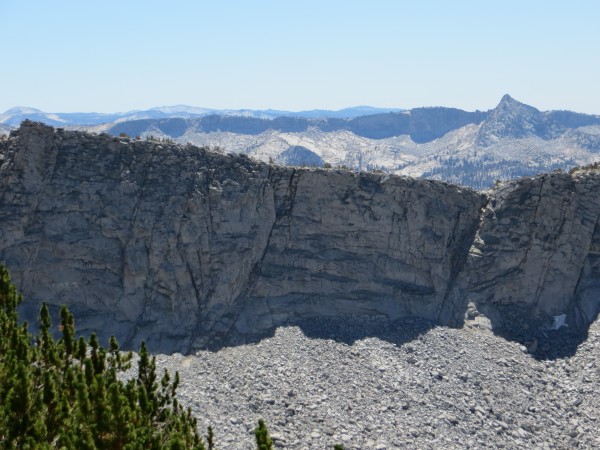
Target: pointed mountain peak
<point>508,101</point>
<point>512,119</point>
<point>509,105</point>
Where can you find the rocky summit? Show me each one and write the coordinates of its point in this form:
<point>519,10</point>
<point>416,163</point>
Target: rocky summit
<point>187,249</point>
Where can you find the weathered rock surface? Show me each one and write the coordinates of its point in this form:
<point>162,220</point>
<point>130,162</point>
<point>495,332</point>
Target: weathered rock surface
<point>393,385</point>
<point>537,253</point>
<point>181,247</point>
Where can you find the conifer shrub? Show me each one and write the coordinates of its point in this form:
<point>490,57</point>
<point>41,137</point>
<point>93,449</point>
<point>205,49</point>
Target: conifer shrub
<point>263,440</point>
<point>66,393</point>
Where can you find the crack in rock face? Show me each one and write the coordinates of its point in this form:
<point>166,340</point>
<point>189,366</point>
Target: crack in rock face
<point>185,248</point>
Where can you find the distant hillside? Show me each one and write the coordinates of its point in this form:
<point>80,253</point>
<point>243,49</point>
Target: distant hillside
<point>470,148</point>
<point>422,124</point>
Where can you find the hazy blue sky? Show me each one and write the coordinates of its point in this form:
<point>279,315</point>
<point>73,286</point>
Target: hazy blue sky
<point>107,56</point>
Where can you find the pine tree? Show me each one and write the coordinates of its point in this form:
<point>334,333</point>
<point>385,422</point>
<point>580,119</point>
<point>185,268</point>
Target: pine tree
<point>263,441</point>
<point>67,393</point>
<point>210,439</point>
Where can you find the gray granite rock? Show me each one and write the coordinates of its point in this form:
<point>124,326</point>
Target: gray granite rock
<point>362,392</point>
<point>182,247</point>
<point>537,253</point>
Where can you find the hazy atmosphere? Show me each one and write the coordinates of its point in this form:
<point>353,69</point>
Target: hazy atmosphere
<point>112,56</point>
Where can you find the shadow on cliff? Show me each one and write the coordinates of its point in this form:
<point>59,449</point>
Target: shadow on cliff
<point>343,330</point>
<point>541,344</point>
<point>540,337</point>
<point>546,344</point>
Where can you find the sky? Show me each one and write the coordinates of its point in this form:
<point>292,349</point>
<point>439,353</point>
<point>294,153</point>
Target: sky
<point>109,56</point>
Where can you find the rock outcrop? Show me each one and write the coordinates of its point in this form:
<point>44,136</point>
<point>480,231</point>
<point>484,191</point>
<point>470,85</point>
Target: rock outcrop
<point>537,252</point>
<point>180,246</point>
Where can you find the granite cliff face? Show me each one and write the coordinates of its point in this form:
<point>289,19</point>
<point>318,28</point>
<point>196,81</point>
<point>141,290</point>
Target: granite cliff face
<point>180,247</point>
<point>537,252</point>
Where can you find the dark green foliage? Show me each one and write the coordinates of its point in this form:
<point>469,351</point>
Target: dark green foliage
<point>338,447</point>
<point>263,441</point>
<point>160,140</point>
<point>210,439</point>
<point>67,393</point>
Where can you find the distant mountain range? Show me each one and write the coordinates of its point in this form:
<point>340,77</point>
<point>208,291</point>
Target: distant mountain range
<point>470,148</point>
<point>15,116</point>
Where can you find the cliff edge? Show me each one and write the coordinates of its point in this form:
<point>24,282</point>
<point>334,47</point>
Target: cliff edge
<point>182,247</point>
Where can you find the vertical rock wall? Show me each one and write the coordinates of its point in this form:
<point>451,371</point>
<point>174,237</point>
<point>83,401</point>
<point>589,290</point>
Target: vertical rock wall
<point>346,244</point>
<point>535,255</point>
<point>179,246</point>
